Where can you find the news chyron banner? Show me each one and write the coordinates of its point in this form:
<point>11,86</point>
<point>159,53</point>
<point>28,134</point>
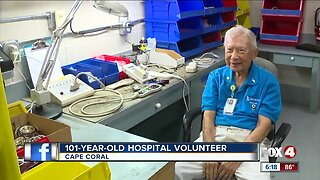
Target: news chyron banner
<point>142,151</point>
<point>276,153</point>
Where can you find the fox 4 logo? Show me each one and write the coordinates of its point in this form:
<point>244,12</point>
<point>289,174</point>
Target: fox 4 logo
<point>289,152</point>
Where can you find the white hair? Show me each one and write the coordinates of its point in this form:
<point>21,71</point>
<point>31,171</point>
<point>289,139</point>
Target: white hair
<point>238,29</point>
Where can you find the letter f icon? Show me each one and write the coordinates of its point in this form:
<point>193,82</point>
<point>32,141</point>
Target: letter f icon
<point>44,150</point>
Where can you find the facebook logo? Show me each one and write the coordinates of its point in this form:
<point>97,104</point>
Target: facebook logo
<point>40,151</point>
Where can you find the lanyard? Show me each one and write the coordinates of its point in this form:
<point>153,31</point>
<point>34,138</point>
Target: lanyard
<point>233,89</point>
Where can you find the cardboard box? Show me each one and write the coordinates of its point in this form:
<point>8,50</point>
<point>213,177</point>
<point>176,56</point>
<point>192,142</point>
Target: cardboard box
<point>166,57</point>
<point>55,131</point>
<point>163,57</point>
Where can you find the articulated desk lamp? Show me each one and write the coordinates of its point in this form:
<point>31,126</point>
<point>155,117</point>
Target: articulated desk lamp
<point>40,95</point>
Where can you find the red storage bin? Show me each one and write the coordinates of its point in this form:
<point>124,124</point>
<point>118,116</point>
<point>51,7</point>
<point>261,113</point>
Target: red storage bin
<point>280,32</point>
<point>292,8</point>
<point>211,37</point>
<point>281,22</point>
<point>211,40</point>
<point>283,4</point>
<point>228,16</point>
<point>229,3</point>
<point>117,59</point>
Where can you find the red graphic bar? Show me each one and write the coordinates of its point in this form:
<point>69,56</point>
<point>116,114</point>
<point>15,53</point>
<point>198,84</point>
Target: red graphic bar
<point>289,167</point>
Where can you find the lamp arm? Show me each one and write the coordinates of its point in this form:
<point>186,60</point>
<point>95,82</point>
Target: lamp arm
<point>53,49</point>
<point>51,62</point>
<point>47,65</point>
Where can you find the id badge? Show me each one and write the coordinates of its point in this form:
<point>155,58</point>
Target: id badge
<point>229,106</point>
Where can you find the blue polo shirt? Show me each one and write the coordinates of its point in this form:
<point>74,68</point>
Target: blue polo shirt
<point>258,95</point>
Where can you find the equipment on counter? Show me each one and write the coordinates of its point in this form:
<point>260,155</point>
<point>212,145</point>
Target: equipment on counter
<point>123,82</point>
<point>148,89</point>
<point>63,95</point>
<point>137,73</point>
<point>309,47</point>
<point>163,57</point>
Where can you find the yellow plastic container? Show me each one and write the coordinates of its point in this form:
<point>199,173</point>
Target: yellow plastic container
<point>60,170</point>
<point>8,155</point>
<point>243,13</point>
<point>68,171</point>
<point>16,108</point>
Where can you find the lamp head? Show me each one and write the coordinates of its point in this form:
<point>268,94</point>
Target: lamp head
<point>113,8</point>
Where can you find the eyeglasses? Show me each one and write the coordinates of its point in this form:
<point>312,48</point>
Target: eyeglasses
<point>237,50</point>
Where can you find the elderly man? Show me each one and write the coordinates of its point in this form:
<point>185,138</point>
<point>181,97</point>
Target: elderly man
<point>240,102</point>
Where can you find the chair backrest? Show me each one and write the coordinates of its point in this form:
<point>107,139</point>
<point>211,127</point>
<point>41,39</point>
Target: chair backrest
<point>268,65</point>
<point>276,137</point>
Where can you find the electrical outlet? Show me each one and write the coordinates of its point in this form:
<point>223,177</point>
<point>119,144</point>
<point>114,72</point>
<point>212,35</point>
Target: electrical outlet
<point>125,29</point>
<point>60,16</point>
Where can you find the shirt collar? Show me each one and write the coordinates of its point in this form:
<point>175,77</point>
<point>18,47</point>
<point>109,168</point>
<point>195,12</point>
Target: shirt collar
<point>251,79</point>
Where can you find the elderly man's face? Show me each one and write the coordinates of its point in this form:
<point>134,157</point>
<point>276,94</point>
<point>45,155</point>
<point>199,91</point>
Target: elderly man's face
<point>239,53</point>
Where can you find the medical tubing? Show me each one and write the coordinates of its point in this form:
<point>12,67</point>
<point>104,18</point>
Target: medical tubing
<point>187,105</point>
<point>87,114</point>
<point>95,103</point>
<point>203,62</point>
<point>92,76</point>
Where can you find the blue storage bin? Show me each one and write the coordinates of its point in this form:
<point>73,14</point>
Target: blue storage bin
<point>211,23</point>
<point>183,25</point>
<point>187,51</point>
<point>106,72</point>
<point>213,3</point>
<point>212,45</point>
<point>256,31</point>
<point>107,68</point>
<point>228,19</point>
<point>186,48</point>
<point>277,12</point>
<point>172,10</point>
<point>174,30</point>
<point>78,67</point>
<point>209,11</point>
<point>229,24</point>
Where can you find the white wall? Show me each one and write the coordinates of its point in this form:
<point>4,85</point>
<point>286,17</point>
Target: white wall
<point>72,49</point>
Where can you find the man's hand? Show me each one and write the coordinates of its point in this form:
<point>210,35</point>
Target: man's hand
<point>210,170</point>
<point>227,169</point>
